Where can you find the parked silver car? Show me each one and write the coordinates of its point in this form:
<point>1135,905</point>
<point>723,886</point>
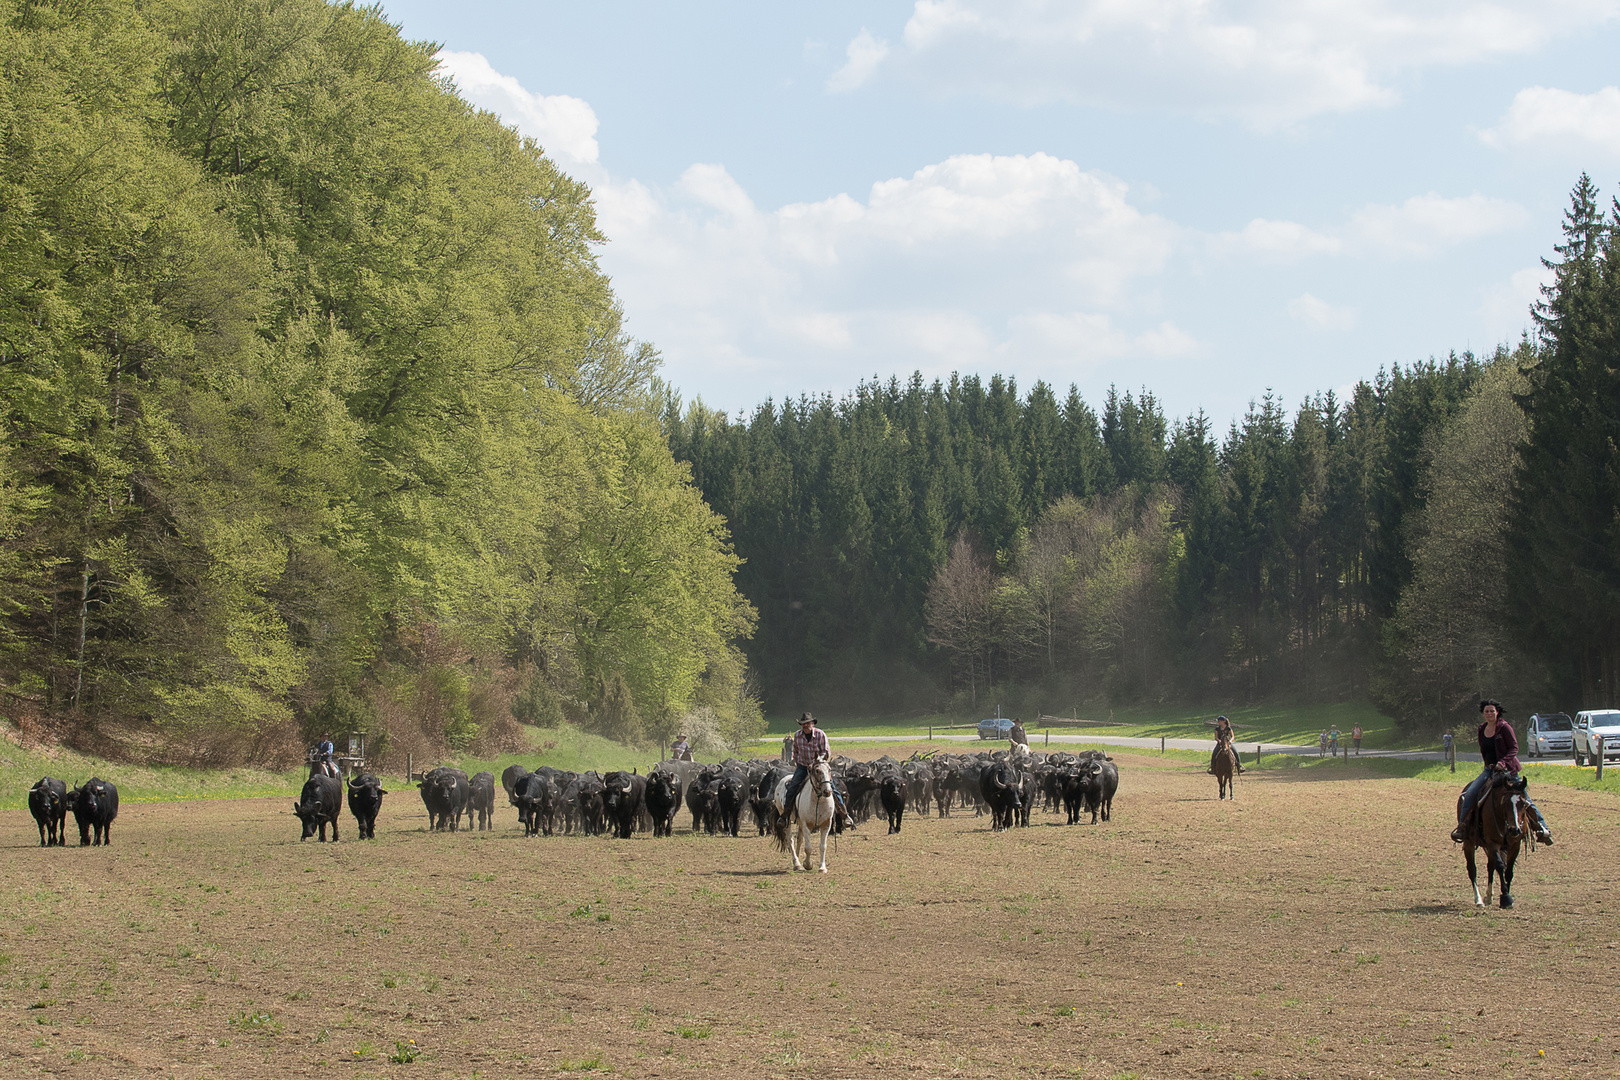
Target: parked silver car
<point>1593,725</point>
<point>1549,733</point>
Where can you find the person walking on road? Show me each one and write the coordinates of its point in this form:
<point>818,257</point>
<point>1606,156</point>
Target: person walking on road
<point>1355,737</point>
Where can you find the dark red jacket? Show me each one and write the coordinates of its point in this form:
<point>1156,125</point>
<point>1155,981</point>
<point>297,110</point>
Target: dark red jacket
<point>1503,749</point>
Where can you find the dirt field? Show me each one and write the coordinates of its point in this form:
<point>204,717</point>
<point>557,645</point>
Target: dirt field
<point>1318,928</point>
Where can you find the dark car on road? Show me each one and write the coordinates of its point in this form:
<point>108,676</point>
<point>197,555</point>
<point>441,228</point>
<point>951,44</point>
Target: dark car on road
<point>999,728</point>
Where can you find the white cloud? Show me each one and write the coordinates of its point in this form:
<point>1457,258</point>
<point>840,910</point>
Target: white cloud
<point>861,59</point>
<point>1280,240</point>
<point>1270,62</point>
<point>564,126</point>
<point>1319,314</point>
<point>958,265</point>
<point>1425,224</point>
<point>1542,114</point>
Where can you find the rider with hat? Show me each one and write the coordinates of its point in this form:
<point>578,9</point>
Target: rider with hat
<point>1499,748</point>
<point>680,749</point>
<point>1223,742</point>
<point>809,747</point>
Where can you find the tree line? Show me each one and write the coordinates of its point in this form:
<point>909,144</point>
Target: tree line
<point>1446,530</point>
<point>317,408</point>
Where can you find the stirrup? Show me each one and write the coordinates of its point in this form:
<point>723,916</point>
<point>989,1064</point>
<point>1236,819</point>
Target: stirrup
<point>1458,835</point>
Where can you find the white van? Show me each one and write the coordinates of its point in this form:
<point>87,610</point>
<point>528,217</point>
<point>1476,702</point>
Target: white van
<point>1589,727</point>
<point>1549,733</point>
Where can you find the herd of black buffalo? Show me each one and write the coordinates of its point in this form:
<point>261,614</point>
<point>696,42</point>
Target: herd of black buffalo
<point>1005,784</point>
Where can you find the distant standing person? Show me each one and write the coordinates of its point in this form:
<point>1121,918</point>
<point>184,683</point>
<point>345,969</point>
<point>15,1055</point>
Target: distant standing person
<point>1333,740</point>
<point>1355,737</point>
<point>1321,744</point>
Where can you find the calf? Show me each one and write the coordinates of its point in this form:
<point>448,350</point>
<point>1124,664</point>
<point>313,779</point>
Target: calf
<point>48,802</point>
<point>481,800</point>
<point>318,806</point>
<point>94,806</point>
<point>365,799</point>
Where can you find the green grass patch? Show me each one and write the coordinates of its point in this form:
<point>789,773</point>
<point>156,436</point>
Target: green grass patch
<point>562,747</point>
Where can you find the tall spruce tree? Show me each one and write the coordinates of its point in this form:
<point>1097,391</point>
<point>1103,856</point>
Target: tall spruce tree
<point>1564,550</point>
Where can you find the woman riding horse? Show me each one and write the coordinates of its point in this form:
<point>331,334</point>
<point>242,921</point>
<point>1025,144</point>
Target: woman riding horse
<point>1223,745</point>
<point>1499,748</point>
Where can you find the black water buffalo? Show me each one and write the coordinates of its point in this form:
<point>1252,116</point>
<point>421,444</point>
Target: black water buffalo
<point>892,793</point>
<point>319,805</point>
<point>537,800</point>
<point>662,799</point>
<point>48,802</point>
<point>94,806</point>
<point>509,780</point>
<point>481,800</point>
<point>998,782</point>
<point>585,800</point>
<point>1102,781</point>
<point>700,799</point>
<point>730,795</point>
<point>365,799</point>
<point>622,796</point>
<point>445,792</point>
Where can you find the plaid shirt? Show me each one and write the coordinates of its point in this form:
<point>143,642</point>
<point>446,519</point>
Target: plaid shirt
<point>806,747</point>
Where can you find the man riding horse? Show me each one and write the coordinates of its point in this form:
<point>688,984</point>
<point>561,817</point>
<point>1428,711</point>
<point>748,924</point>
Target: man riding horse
<point>1499,748</point>
<point>809,747</point>
<point>1223,745</point>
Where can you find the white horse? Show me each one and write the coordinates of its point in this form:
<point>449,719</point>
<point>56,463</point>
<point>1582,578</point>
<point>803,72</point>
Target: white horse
<point>1020,755</point>
<point>815,815</point>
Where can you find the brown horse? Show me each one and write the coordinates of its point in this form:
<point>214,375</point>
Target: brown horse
<point>1498,824</point>
<point>1225,766</point>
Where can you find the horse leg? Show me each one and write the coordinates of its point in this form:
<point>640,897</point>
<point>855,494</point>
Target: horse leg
<point>1506,874</point>
<point>825,829</point>
<point>1473,873</point>
<point>1491,865</point>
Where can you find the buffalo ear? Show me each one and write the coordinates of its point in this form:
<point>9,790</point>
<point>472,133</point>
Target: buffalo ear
<point>296,808</point>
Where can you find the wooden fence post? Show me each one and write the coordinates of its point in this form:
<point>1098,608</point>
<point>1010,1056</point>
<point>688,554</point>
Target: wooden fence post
<point>1600,757</point>
<point>1257,753</point>
<point>1161,744</point>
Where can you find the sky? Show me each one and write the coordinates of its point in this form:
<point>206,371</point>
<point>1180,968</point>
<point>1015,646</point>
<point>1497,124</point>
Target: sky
<point>1205,199</point>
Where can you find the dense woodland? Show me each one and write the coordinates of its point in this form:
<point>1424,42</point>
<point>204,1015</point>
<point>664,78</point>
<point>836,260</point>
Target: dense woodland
<point>318,411</point>
<point>1448,530</point>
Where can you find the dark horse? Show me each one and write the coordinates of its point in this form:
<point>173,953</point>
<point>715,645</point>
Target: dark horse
<point>1498,825</point>
<point>1225,766</point>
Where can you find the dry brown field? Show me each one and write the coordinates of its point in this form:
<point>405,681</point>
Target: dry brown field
<point>1314,927</point>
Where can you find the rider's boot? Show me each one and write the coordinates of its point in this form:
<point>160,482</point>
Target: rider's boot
<point>1538,826</point>
<point>1457,833</point>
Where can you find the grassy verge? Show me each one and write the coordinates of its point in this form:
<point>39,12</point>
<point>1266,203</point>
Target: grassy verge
<point>1299,725</point>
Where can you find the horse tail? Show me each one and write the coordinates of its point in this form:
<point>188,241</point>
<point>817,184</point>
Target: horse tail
<point>779,832</point>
